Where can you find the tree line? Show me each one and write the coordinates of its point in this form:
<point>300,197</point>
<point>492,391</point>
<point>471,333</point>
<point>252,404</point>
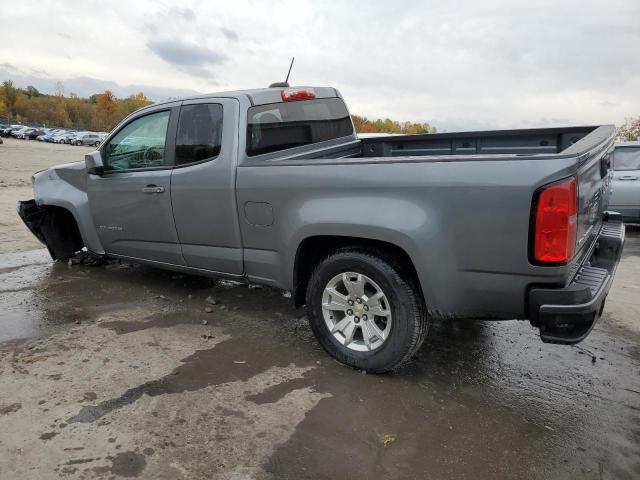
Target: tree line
<point>630,130</point>
<point>102,111</point>
<point>364,125</point>
<point>99,113</point>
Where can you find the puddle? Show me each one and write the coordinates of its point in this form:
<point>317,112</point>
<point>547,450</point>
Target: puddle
<point>20,273</point>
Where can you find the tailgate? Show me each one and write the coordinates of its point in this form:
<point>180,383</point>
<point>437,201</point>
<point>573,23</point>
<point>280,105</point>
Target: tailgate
<point>594,190</point>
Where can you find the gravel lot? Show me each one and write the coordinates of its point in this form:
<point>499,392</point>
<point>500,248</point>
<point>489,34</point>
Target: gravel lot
<point>119,371</point>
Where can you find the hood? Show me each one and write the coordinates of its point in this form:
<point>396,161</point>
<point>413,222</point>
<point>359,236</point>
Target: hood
<point>73,173</point>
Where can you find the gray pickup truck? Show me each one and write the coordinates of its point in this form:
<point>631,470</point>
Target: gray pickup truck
<point>376,236</point>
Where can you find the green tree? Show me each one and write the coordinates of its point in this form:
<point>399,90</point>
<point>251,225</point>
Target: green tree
<point>10,93</point>
<point>32,91</point>
<point>132,103</point>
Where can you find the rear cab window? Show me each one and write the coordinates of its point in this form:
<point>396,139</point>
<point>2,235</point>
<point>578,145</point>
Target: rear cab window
<point>279,126</point>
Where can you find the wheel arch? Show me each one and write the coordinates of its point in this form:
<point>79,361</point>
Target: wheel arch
<point>313,249</point>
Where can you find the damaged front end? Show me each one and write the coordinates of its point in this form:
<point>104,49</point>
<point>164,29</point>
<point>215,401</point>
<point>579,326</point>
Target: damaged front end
<point>55,227</point>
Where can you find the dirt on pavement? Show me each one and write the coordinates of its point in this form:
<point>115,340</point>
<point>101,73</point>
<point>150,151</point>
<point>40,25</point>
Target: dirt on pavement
<point>125,371</point>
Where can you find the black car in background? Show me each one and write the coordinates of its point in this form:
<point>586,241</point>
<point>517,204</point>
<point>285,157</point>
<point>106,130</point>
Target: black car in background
<point>33,134</point>
<point>7,131</point>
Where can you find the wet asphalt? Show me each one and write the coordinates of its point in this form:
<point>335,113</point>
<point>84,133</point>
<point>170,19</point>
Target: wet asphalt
<point>121,371</point>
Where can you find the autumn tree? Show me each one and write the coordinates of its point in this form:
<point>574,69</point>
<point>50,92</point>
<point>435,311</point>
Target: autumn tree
<point>630,130</point>
<point>364,125</point>
<point>4,111</point>
<point>106,111</point>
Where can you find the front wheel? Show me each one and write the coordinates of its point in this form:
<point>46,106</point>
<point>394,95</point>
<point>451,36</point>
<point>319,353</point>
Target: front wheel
<point>365,311</point>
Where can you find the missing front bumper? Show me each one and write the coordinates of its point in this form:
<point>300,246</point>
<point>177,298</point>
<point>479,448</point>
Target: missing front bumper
<point>33,216</point>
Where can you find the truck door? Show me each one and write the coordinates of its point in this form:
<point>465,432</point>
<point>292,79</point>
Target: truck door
<point>626,182</point>
<point>203,185</point>
<point>131,201</point>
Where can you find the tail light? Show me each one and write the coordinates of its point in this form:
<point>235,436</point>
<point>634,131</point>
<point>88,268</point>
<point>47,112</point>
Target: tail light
<point>296,94</point>
<point>556,220</point>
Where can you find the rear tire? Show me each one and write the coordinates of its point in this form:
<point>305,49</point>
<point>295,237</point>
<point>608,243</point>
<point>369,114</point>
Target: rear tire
<point>381,278</point>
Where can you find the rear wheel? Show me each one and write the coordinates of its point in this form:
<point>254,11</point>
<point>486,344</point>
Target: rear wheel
<point>365,311</point>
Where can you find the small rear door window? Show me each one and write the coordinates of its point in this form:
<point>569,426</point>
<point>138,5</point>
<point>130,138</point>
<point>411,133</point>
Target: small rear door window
<point>199,133</point>
<point>279,126</point>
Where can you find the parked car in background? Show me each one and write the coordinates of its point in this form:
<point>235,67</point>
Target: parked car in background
<point>45,132</point>
<point>33,134</point>
<point>92,139</point>
<point>23,134</point>
<point>7,131</point>
<point>68,137</point>
<point>60,137</point>
<point>19,132</point>
<point>48,137</point>
<point>626,181</point>
<point>4,131</point>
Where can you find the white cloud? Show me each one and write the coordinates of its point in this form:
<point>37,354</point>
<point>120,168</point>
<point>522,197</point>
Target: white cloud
<point>458,64</point>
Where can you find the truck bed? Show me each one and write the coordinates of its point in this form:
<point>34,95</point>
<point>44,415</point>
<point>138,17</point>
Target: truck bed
<point>481,145</point>
<point>518,142</point>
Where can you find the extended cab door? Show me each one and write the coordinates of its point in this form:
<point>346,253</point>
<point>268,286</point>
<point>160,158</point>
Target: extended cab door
<point>203,185</point>
<point>131,201</point>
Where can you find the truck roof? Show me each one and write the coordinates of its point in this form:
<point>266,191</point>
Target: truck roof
<point>257,96</point>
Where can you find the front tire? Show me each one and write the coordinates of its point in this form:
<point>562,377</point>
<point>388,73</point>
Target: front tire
<point>365,311</point>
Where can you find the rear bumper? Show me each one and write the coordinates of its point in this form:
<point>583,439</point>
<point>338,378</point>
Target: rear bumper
<point>567,315</point>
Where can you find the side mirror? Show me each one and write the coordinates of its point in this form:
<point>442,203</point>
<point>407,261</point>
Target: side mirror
<point>93,163</point>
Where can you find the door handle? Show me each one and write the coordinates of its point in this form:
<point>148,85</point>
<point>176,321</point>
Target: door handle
<point>628,177</point>
<point>152,189</point>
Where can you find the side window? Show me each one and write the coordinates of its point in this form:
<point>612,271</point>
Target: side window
<point>199,133</point>
<point>626,159</point>
<point>140,144</point>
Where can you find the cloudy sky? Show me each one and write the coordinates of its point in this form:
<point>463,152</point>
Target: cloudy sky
<point>456,64</point>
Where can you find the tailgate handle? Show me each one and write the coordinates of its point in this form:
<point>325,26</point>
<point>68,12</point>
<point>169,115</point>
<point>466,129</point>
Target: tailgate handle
<point>153,189</point>
<point>628,177</point>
